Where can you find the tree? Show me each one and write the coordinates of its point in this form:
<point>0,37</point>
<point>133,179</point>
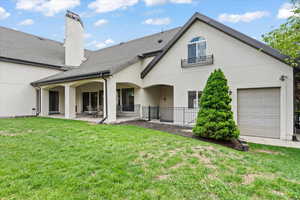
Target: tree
<point>215,118</point>
<point>286,38</point>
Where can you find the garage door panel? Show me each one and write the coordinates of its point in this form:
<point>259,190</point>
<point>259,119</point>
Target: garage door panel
<point>259,112</point>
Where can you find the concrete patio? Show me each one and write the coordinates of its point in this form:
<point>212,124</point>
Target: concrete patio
<point>270,141</point>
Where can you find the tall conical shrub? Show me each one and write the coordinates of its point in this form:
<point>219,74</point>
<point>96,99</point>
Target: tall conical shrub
<point>215,118</point>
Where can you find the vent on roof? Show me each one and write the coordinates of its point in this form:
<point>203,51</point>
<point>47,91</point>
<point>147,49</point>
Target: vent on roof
<point>160,41</point>
<point>121,43</point>
<point>40,38</point>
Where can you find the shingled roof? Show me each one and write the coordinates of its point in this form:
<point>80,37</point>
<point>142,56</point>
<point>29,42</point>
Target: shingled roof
<point>21,47</point>
<point>114,58</point>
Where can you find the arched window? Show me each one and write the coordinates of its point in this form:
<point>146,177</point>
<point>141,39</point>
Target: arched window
<point>196,49</point>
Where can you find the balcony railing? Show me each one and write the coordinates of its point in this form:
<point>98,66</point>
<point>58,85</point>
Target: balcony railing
<point>197,61</point>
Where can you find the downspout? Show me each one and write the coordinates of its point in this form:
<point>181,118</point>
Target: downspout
<point>106,104</point>
<point>294,137</point>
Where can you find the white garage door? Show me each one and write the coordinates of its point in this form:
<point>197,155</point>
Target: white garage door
<point>259,112</point>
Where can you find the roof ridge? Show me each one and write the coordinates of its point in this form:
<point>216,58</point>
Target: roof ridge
<point>32,35</point>
<point>146,36</point>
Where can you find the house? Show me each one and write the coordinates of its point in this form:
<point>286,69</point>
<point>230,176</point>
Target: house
<point>160,76</point>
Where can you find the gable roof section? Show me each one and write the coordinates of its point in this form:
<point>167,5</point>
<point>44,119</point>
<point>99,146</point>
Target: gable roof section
<point>115,58</point>
<point>19,47</point>
<point>221,27</point>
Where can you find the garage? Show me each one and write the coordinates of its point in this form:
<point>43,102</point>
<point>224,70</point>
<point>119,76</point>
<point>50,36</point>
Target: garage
<point>259,112</point>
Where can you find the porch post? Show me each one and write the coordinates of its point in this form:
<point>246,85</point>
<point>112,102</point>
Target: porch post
<point>111,100</point>
<point>44,102</point>
<point>70,102</point>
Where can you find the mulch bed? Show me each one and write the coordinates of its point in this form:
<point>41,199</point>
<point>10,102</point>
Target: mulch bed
<point>182,131</point>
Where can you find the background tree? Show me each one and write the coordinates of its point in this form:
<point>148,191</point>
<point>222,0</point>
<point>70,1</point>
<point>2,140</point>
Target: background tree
<point>215,118</point>
<point>286,38</point>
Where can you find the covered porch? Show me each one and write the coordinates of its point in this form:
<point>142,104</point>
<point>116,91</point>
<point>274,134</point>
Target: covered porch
<point>86,100</point>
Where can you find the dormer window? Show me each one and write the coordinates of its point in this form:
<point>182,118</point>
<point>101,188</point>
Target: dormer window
<point>196,49</point>
<point>197,55</point>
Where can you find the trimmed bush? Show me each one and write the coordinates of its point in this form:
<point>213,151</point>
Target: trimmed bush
<point>215,118</point>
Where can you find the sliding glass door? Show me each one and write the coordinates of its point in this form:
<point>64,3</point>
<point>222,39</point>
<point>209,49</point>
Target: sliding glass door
<point>53,102</point>
<point>128,99</point>
<point>90,101</point>
<point>85,101</point>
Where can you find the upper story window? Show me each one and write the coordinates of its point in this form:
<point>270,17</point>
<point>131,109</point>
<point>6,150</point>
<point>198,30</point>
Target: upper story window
<point>196,49</point>
<point>197,53</point>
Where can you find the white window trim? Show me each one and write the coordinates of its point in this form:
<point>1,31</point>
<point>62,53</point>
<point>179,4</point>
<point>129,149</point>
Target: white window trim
<point>196,101</point>
<point>203,40</point>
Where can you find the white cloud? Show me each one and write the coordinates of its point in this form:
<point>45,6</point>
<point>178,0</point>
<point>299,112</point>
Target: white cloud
<point>100,22</point>
<point>3,13</point>
<point>285,11</point>
<point>246,17</point>
<point>181,1</point>
<point>26,22</point>
<point>158,2</point>
<point>100,45</point>
<point>158,21</point>
<point>109,41</point>
<point>155,2</point>
<point>102,6</point>
<point>47,7</point>
<point>87,35</point>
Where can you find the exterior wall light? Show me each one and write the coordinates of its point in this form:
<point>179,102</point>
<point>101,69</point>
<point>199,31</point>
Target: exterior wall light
<point>283,77</point>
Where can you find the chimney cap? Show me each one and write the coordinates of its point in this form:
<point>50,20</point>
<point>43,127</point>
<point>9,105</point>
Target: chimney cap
<point>74,16</point>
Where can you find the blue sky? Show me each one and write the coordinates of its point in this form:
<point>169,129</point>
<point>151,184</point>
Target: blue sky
<point>109,22</point>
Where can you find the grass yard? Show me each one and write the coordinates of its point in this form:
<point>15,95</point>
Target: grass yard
<point>58,159</point>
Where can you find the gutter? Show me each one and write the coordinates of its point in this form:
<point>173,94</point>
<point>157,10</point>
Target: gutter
<point>72,78</point>
<point>24,62</point>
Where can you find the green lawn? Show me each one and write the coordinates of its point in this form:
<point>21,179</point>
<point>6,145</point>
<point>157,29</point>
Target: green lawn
<point>58,159</point>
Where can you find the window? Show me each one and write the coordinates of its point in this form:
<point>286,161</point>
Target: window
<point>128,99</point>
<point>196,49</point>
<point>94,98</point>
<point>85,101</point>
<point>194,99</point>
<point>101,98</point>
<point>53,102</point>
<point>91,101</point>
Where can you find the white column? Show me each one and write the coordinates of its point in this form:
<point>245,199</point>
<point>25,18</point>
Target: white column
<point>111,100</point>
<point>139,99</point>
<point>44,102</point>
<point>70,102</point>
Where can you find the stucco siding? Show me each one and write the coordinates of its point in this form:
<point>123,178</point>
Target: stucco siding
<point>18,96</point>
<point>244,67</point>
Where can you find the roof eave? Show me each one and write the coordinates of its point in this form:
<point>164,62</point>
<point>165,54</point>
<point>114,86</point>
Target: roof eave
<point>72,78</point>
<point>25,62</point>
